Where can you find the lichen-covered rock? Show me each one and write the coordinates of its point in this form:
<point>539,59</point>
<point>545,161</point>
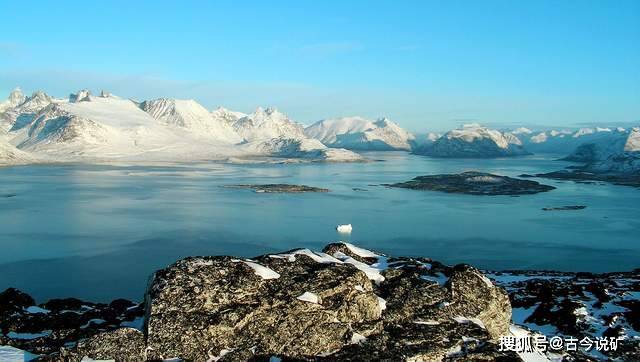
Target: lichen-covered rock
<point>13,300</point>
<point>121,345</point>
<point>307,305</point>
<point>425,342</point>
<point>45,328</point>
<point>292,305</point>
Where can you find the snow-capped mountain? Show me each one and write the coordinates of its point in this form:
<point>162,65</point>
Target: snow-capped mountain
<point>190,116</point>
<point>271,132</point>
<point>89,128</point>
<point>265,124</point>
<point>620,160</point>
<point>16,117</point>
<point>227,116</point>
<point>473,141</point>
<point>81,96</point>
<point>566,142</point>
<point>357,133</point>
<point>595,147</point>
<point>93,126</point>
<point>305,148</point>
<point>16,98</point>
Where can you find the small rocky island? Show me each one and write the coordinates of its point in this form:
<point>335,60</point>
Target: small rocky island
<point>581,175</point>
<point>345,303</point>
<point>279,188</point>
<point>474,183</point>
<point>564,208</point>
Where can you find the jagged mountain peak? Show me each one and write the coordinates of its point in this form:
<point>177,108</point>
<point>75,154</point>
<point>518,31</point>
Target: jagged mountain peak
<point>16,98</point>
<point>267,123</point>
<point>474,141</point>
<point>82,95</point>
<point>190,115</point>
<point>359,133</point>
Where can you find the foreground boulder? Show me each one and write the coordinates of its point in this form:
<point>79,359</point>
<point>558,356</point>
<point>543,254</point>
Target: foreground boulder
<point>309,305</point>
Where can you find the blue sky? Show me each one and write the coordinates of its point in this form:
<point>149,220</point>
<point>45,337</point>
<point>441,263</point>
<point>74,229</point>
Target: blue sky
<point>430,65</point>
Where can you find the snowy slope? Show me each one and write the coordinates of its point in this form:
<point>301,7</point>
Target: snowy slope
<point>633,141</point>
<point>10,155</point>
<point>191,116</point>
<point>305,148</point>
<point>227,116</point>
<point>598,147</point>
<point>104,128</point>
<point>357,133</point>
<point>473,141</point>
<point>622,157</point>
<point>265,124</point>
<point>566,142</point>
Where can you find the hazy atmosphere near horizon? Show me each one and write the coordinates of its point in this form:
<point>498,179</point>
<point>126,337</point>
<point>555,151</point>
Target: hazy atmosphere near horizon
<point>428,65</point>
<point>320,181</point>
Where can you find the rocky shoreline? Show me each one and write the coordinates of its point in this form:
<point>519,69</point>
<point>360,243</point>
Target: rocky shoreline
<point>345,303</point>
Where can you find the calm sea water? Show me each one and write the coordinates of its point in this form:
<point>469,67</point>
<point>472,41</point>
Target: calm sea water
<point>98,232</point>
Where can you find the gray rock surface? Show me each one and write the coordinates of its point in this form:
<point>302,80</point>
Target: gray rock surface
<point>124,344</point>
<point>309,306</point>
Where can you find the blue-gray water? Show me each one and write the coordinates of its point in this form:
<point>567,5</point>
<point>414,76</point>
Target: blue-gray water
<point>98,232</point>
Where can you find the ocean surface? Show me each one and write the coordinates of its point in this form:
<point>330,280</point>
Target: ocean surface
<point>98,232</point>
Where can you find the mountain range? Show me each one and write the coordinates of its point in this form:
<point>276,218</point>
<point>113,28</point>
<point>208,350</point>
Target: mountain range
<point>94,128</point>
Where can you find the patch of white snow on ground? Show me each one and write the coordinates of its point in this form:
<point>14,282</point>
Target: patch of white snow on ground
<point>371,271</point>
<point>475,321</point>
<point>364,253</point>
<point>357,338</point>
<point>316,256</point>
<point>309,297</point>
<point>439,278</point>
<point>382,304</point>
<point>137,323</point>
<point>94,320</point>
<point>12,354</point>
<point>262,271</point>
<point>536,355</point>
<point>16,335</point>
<point>35,309</point>
<point>428,322</point>
<point>223,352</point>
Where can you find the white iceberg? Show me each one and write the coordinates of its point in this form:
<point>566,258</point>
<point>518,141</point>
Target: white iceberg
<point>344,229</point>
